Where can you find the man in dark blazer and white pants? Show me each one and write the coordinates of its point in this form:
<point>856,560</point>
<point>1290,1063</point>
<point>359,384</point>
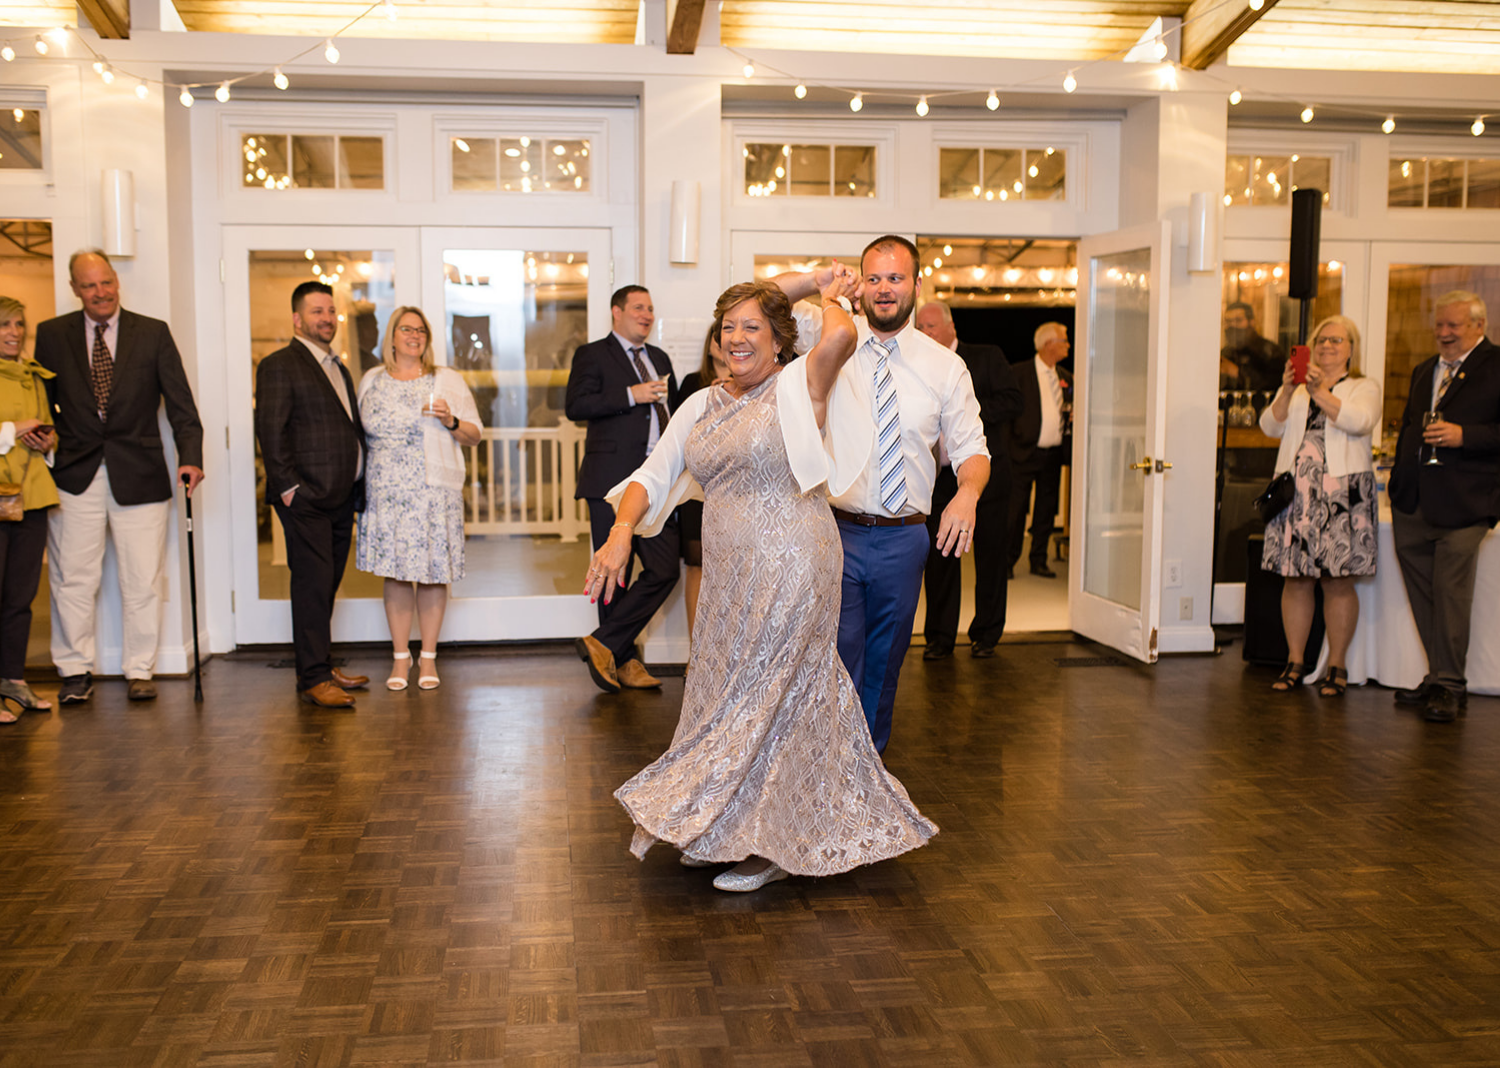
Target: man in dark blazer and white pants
<point>1040,442</point>
<point>625,390</point>
<point>114,369</point>
<point>313,444</point>
<point>999,402</point>
<point>1441,512</point>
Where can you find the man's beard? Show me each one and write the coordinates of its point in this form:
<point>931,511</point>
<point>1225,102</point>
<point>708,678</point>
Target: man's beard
<point>895,321</point>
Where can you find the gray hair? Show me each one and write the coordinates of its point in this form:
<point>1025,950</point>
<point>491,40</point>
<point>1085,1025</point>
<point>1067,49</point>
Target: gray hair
<point>942,307</point>
<point>1046,332</point>
<point>1477,311</point>
<point>73,259</point>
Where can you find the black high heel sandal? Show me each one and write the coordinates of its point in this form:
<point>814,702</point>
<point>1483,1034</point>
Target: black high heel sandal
<point>1290,678</point>
<point>1334,683</point>
<point>21,694</point>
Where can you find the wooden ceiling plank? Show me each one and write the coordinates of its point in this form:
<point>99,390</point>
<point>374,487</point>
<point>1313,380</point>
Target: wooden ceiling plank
<point>1211,26</point>
<point>687,21</point>
<point>110,18</point>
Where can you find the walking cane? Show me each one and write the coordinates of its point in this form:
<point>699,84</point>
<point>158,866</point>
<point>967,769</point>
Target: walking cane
<point>193,593</point>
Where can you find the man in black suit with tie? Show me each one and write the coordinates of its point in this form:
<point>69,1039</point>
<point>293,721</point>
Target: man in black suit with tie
<point>114,370</point>
<point>1441,512</point>
<point>1040,442</point>
<point>999,402</point>
<point>312,444</point>
<point>623,389</point>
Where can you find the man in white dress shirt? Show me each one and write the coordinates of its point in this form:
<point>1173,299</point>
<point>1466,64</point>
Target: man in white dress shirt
<point>1040,443</point>
<point>903,394</point>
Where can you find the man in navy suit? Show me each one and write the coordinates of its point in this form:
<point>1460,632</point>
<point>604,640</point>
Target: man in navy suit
<point>313,443</point>
<point>114,370</point>
<point>624,389</point>
<point>1441,512</point>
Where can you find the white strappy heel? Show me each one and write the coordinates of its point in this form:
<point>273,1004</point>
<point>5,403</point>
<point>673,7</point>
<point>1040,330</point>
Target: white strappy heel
<point>398,682</point>
<point>429,682</point>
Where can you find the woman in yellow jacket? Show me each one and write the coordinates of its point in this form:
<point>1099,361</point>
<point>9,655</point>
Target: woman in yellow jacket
<point>26,439</point>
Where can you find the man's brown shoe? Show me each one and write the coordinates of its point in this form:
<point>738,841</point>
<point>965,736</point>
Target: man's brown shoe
<point>350,682</point>
<point>633,673</point>
<point>328,695</point>
<point>601,663</point>
<point>142,690</point>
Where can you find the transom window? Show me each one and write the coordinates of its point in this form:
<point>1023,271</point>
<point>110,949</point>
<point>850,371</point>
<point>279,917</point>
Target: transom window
<point>312,161</point>
<point>21,139</point>
<point>1267,180</point>
<point>820,170</point>
<point>985,173</point>
<point>1436,182</point>
<point>521,164</point>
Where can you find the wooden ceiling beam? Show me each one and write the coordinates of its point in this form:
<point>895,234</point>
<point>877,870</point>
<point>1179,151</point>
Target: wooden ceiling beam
<point>687,21</point>
<point>110,18</point>
<point>1210,26</point>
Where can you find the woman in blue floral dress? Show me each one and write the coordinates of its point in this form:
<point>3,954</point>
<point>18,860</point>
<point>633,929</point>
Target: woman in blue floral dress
<point>1327,534</point>
<point>417,419</point>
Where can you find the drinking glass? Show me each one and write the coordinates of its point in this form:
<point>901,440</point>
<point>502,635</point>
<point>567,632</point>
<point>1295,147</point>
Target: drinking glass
<point>1428,419</point>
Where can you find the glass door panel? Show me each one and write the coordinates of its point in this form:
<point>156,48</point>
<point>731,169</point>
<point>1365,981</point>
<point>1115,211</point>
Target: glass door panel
<point>371,270</point>
<point>511,307</point>
<point>1121,392</point>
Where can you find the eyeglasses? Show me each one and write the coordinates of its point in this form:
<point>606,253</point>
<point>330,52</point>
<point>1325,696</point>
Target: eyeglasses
<point>411,330</point>
<point>1326,340</point>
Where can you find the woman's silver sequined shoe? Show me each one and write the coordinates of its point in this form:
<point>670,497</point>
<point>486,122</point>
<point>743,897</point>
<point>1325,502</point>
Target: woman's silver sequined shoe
<point>742,883</point>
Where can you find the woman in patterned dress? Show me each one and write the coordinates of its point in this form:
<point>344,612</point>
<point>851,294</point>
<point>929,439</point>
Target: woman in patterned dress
<point>1327,534</point>
<point>771,764</point>
<point>417,419</point>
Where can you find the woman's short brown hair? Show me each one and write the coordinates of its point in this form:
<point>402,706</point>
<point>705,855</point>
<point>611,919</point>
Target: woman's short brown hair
<point>10,306</point>
<point>774,305</point>
<point>388,346</point>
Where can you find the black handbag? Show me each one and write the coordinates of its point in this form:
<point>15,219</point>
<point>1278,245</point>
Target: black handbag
<point>1277,496</point>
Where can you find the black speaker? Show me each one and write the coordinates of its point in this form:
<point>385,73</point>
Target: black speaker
<point>1307,219</point>
<point>1265,640</point>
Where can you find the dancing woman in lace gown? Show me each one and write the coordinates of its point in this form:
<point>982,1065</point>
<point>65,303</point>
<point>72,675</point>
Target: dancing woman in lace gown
<point>771,764</point>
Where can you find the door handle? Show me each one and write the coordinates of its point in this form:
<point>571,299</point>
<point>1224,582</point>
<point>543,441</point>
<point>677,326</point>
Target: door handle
<point>1162,465</point>
<point>1144,465</point>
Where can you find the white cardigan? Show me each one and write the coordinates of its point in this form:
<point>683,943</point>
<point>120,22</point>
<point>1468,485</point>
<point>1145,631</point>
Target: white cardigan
<point>443,457</point>
<point>1346,439</point>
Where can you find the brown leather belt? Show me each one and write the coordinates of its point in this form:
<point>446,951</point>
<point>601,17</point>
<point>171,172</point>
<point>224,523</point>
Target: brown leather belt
<point>877,520</point>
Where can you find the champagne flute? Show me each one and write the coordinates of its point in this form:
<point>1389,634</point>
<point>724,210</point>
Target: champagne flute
<point>1428,419</point>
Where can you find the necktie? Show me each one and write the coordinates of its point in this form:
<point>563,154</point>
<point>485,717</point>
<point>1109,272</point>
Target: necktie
<point>336,379</point>
<point>102,371</point>
<point>1444,383</point>
<point>646,376</point>
<point>888,436</point>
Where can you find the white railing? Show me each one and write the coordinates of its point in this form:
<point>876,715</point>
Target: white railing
<point>521,481</point>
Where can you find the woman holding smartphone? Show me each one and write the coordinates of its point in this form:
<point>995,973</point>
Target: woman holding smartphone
<point>1327,534</point>
<point>417,418</point>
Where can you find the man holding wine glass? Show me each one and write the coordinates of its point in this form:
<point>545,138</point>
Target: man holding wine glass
<point>1445,494</point>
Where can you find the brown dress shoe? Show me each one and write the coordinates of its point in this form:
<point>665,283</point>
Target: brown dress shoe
<point>350,682</point>
<point>601,663</point>
<point>327,695</point>
<point>633,673</point>
<point>142,690</point>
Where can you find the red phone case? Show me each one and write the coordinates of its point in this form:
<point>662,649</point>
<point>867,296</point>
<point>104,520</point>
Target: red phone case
<point>1300,356</point>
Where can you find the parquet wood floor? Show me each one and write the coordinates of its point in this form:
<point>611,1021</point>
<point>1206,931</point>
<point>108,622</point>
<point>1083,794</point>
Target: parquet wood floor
<point>1145,866</point>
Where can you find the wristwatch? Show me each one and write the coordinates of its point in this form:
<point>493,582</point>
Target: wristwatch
<point>452,428</point>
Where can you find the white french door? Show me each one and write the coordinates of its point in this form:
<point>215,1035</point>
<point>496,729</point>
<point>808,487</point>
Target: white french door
<point>1119,429</point>
<point>508,308</point>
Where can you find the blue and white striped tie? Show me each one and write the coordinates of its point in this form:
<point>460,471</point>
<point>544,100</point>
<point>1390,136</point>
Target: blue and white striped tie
<point>888,421</point>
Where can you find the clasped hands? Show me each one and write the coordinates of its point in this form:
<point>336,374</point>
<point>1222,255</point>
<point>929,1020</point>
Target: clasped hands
<point>839,280</point>
<point>650,391</point>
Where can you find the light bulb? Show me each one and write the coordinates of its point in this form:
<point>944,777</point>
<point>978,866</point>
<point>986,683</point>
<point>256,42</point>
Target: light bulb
<point>280,80</point>
<point>1159,49</point>
<point>7,53</point>
<point>992,101</point>
<point>1478,127</point>
<point>108,74</point>
<point>20,116</point>
<point>1235,98</point>
<point>800,92</point>
<point>1389,125</point>
<point>1307,114</point>
<point>1256,5</point>
<point>141,91</point>
<point>98,66</point>
<point>390,10</point>
<point>185,98</point>
<point>1070,83</point>
<point>858,102</point>
<point>221,94</point>
<point>922,107</point>
<point>331,53</point>
<point>41,47</point>
<point>748,70</point>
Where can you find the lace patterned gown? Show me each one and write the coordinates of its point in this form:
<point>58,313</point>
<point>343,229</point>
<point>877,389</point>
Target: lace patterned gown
<point>771,756</point>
